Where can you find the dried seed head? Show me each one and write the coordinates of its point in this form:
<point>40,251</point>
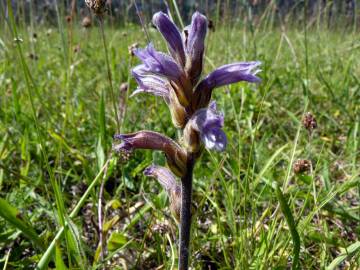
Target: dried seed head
<point>211,25</point>
<point>309,122</point>
<point>97,6</point>
<point>77,48</point>
<point>302,166</point>
<point>86,22</point>
<point>132,48</point>
<point>124,87</point>
<point>68,19</point>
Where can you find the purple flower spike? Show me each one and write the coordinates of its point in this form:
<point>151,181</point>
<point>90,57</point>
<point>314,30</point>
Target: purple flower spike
<point>208,123</point>
<point>176,156</point>
<point>149,83</point>
<point>158,63</point>
<point>172,36</point>
<point>195,46</point>
<point>224,75</point>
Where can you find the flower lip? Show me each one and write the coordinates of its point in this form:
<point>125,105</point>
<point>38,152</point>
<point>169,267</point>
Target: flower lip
<point>158,63</point>
<point>208,123</point>
<point>149,83</point>
<point>214,138</point>
<point>149,171</point>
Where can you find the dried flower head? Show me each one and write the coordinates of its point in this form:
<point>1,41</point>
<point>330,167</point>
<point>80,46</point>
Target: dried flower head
<point>309,122</point>
<point>86,22</point>
<point>97,6</point>
<point>132,48</point>
<point>302,166</point>
<point>124,87</point>
<point>68,19</point>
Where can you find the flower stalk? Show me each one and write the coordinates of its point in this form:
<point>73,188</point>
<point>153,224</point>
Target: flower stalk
<point>176,78</point>
<point>185,214</point>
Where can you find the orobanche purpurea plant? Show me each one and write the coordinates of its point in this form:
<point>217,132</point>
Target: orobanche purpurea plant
<point>176,78</point>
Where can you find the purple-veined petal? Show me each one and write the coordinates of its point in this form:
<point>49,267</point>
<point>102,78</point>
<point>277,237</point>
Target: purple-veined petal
<point>149,83</point>
<point>158,63</point>
<point>224,75</point>
<point>207,122</point>
<point>165,177</point>
<point>195,44</point>
<point>172,36</point>
<point>232,73</point>
<point>175,155</point>
<point>168,182</point>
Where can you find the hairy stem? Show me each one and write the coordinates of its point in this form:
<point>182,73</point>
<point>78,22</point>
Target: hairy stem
<point>185,214</point>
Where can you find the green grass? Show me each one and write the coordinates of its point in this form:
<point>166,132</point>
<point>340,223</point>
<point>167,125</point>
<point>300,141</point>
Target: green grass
<point>57,121</point>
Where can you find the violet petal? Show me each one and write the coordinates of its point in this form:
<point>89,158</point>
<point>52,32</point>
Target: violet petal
<point>172,36</point>
<point>158,63</point>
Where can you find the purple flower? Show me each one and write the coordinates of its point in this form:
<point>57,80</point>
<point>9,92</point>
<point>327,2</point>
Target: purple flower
<point>172,36</point>
<point>207,122</point>
<point>194,44</point>
<point>227,74</point>
<point>158,63</point>
<point>175,155</point>
<point>150,83</point>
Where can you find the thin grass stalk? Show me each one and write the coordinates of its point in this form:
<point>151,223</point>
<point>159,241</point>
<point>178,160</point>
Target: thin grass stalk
<point>178,13</point>
<point>142,21</point>
<point>185,214</point>
<point>292,226</point>
<point>43,263</point>
<point>53,182</point>
<point>112,94</point>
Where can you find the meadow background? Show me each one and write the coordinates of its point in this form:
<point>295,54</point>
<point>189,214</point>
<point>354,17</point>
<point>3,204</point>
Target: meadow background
<point>57,121</point>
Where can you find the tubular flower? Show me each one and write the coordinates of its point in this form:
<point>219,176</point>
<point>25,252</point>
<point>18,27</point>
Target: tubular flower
<point>205,125</point>
<point>224,75</point>
<point>175,155</point>
<point>168,181</point>
<point>171,35</point>
<point>195,45</point>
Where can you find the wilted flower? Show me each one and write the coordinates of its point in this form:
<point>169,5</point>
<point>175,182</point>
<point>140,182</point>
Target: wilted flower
<point>169,183</point>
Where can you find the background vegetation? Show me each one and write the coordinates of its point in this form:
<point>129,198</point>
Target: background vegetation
<point>57,122</point>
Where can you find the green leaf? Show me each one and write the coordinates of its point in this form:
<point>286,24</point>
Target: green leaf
<point>13,216</point>
<point>348,253</point>
<point>116,241</point>
<point>59,263</point>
